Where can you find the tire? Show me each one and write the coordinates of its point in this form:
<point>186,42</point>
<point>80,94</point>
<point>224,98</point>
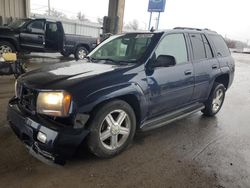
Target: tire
<point>65,54</point>
<point>80,53</point>
<point>99,127</point>
<point>20,69</point>
<point>213,105</point>
<point>6,47</point>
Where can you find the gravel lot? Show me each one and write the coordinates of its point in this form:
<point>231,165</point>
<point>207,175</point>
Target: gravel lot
<point>193,152</point>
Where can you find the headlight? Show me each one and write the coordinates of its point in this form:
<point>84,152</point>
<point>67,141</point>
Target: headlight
<point>54,103</point>
<point>15,88</point>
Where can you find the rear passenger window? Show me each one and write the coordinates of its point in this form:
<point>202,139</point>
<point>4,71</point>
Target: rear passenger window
<point>174,45</point>
<point>198,47</point>
<point>209,53</point>
<point>220,45</point>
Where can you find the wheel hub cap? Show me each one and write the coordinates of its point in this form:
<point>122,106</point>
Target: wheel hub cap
<point>115,129</point>
<point>81,54</point>
<point>217,100</point>
<point>5,49</point>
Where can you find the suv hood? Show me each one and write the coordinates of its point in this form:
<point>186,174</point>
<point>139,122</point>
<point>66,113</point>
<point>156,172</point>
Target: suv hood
<point>5,29</point>
<point>64,75</point>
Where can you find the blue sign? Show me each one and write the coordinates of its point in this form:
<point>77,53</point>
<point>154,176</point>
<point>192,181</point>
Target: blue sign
<point>156,5</point>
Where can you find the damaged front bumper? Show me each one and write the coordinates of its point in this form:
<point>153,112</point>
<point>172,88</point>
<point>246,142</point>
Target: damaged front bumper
<point>61,142</point>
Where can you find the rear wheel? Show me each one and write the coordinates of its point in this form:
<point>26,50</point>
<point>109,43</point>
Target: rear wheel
<point>112,129</point>
<point>215,100</point>
<point>6,47</point>
<point>81,52</point>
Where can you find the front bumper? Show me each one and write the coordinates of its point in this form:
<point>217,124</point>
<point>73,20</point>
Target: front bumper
<point>61,142</point>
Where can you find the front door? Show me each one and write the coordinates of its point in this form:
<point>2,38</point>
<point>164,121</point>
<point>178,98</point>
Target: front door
<point>171,88</point>
<point>32,38</point>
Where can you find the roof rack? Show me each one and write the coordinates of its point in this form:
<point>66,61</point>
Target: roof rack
<point>188,28</point>
<point>196,29</point>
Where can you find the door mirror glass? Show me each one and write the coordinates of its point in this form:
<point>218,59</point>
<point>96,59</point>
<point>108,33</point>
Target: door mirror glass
<point>165,61</point>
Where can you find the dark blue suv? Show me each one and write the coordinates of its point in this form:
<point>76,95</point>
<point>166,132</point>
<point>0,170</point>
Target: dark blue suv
<point>130,82</point>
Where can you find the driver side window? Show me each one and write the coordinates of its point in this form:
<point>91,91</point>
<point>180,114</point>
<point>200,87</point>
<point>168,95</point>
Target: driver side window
<point>173,45</point>
<point>36,26</point>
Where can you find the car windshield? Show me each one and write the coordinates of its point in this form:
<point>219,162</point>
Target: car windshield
<point>18,23</point>
<point>126,48</point>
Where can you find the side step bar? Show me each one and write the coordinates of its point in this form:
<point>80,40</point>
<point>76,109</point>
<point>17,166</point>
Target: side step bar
<point>169,118</point>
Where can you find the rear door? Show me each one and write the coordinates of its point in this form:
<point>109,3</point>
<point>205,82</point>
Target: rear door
<point>32,38</point>
<point>205,65</point>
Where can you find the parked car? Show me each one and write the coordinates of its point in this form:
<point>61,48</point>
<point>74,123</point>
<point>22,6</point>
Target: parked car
<point>130,82</point>
<point>41,35</point>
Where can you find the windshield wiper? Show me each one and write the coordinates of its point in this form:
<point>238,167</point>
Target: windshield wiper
<point>90,58</point>
<point>115,62</point>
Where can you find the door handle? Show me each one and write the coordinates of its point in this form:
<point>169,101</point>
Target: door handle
<point>188,72</point>
<point>214,66</point>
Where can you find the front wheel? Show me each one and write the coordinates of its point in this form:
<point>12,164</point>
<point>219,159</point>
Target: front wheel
<point>6,47</point>
<point>81,53</point>
<point>112,129</point>
<point>215,100</point>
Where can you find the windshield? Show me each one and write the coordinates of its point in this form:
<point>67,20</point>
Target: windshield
<point>122,48</point>
<point>18,23</point>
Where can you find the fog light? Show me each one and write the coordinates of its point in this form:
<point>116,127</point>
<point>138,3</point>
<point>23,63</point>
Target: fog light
<point>42,137</point>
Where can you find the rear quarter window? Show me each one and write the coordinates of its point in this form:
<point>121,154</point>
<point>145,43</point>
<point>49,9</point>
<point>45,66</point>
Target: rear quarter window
<point>220,45</point>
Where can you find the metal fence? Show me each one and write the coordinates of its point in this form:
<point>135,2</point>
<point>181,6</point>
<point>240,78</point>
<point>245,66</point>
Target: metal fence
<point>75,27</point>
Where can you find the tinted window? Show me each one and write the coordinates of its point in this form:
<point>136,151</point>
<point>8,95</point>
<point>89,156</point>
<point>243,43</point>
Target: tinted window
<point>37,25</point>
<point>220,46</point>
<point>52,27</point>
<point>209,53</point>
<point>173,45</point>
<point>198,46</point>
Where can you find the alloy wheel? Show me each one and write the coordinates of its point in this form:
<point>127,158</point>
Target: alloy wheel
<point>217,100</point>
<point>115,129</point>
<point>81,54</point>
<point>5,49</point>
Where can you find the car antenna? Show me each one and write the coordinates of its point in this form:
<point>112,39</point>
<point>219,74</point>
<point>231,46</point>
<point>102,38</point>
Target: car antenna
<point>152,29</point>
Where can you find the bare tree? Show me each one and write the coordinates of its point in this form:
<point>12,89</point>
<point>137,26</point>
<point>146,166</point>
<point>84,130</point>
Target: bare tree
<point>80,16</point>
<point>134,25</point>
<point>100,21</point>
<point>56,13</point>
<point>235,44</point>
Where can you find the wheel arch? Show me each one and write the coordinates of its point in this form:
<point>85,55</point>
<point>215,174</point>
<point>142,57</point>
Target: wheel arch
<point>82,45</point>
<point>133,97</point>
<point>11,41</point>
<point>223,79</point>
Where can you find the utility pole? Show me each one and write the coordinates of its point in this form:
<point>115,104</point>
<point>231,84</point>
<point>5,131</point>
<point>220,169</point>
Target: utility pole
<point>115,15</point>
<point>49,10</point>
<point>158,21</point>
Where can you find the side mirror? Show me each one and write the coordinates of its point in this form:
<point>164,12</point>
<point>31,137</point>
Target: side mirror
<point>165,61</point>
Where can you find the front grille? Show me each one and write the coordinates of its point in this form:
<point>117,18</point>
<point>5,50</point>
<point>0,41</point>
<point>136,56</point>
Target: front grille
<point>27,99</point>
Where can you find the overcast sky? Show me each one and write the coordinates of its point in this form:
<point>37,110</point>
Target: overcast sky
<point>227,17</point>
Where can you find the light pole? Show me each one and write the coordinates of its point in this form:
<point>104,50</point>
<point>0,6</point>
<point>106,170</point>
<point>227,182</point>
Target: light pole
<point>49,7</point>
